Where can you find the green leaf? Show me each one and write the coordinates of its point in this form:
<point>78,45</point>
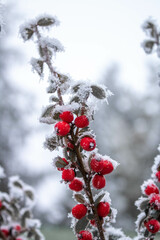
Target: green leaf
<point>17,184</point>
<point>60,163</point>
<point>144,204</point>
<point>75,99</point>
<point>27,34</point>
<point>79,174</point>
<point>79,198</point>
<point>29,194</point>
<point>99,199</point>
<point>54,99</point>
<point>48,111</point>
<point>76,87</point>
<point>44,22</point>
<point>90,216</point>
<point>51,143</point>
<point>56,116</point>
<point>81,224</point>
<point>25,215</point>
<point>72,156</point>
<point>98,92</point>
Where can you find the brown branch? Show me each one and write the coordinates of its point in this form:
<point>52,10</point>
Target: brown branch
<point>88,189</point>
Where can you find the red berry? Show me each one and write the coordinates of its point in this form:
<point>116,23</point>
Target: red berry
<point>18,238</point>
<point>107,167</point>
<point>152,188</point>
<point>76,185</point>
<point>68,174</point>
<point>70,145</point>
<point>17,228</point>
<point>96,164</point>
<point>81,121</point>
<point>61,169</point>
<point>153,226</point>
<point>66,116</point>
<point>1,204</point>
<point>93,222</point>
<point>62,128</point>
<point>79,211</point>
<point>88,143</point>
<point>5,231</point>
<point>85,235</point>
<point>158,176</point>
<point>103,209</point>
<point>99,181</point>
<point>155,201</point>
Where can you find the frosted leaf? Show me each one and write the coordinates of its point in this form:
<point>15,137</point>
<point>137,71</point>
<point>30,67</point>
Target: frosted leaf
<point>47,115</point>
<point>51,142</point>
<point>54,19</point>
<point>106,197</point>
<point>2,174</point>
<point>26,30</point>
<point>70,107</point>
<point>37,65</point>
<point>155,166</point>
<point>149,27</point>
<point>139,220</point>
<point>139,202</point>
<point>33,223</point>
<point>15,187</point>
<point>148,45</point>
<point>111,231</point>
<point>51,43</point>
<point>4,196</point>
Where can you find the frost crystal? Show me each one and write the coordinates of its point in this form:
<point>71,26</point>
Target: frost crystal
<point>51,43</point>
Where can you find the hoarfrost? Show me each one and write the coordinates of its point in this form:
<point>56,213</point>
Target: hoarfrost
<point>51,43</point>
<point>145,184</point>
<point>139,202</point>
<point>32,223</point>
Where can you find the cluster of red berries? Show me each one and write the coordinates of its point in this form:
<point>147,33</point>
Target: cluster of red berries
<point>8,231</point>
<point>80,210</point>
<point>150,189</point>
<point>63,127</point>
<point>100,167</point>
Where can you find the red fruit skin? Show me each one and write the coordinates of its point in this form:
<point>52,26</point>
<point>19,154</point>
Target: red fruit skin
<point>70,145</point>
<point>61,169</point>
<point>98,181</point>
<point>17,228</point>
<point>1,204</point>
<point>96,164</point>
<point>66,116</point>
<point>81,121</point>
<point>153,226</point>
<point>158,175</point>
<point>88,143</point>
<point>93,223</point>
<point>85,235</point>
<point>79,211</point>
<point>107,167</point>
<point>76,185</point>
<point>103,209</point>
<point>155,201</point>
<point>5,231</point>
<point>152,188</point>
<point>62,128</point>
<point>68,174</point>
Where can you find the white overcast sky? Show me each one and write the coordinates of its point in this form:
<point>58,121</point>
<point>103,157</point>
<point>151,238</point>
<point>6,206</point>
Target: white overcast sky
<point>95,34</point>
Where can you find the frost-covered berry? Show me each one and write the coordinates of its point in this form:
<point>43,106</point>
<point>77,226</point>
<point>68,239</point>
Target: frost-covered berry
<point>85,235</point>
<point>62,128</point>
<point>66,116</point>
<point>1,204</point>
<point>17,228</point>
<point>153,226</point>
<point>88,143</point>
<point>99,181</point>
<point>96,164</point>
<point>103,209</point>
<point>155,201</point>
<point>70,145</point>
<point>81,121</point>
<point>5,231</point>
<point>151,188</point>
<point>158,175</point>
<point>68,175</point>
<point>79,211</point>
<point>76,185</point>
<point>107,167</point>
<point>61,169</point>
